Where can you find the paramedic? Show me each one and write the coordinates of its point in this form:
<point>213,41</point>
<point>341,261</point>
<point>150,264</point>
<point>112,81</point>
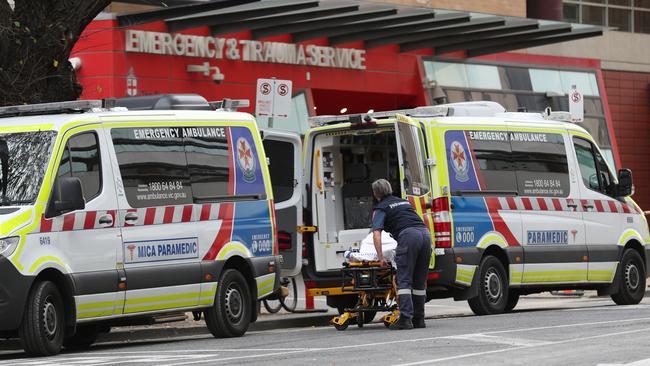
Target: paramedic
<point>412,256</point>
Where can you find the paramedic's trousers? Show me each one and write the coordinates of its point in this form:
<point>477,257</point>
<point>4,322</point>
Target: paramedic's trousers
<point>412,257</point>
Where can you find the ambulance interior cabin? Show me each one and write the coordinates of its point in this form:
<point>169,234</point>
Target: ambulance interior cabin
<point>345,165</point>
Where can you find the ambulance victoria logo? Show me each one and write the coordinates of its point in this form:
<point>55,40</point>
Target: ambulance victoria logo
<point>459,161</point>
<point>245,160</point>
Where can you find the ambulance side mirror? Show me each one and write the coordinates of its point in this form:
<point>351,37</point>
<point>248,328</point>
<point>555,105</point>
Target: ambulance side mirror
<point>67,196</point>
<point>625,186</point>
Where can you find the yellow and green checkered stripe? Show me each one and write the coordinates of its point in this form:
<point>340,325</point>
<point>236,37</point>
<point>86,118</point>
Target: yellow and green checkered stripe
<point>465,274</point>
<point>265,284</point>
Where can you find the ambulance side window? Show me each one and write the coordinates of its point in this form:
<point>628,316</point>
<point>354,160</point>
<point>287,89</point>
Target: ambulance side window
<point>593,168</point>
<point>280,154</point>
<point>208,163</point>
<point>81,159</point>
<point>494,159</point>
<point>540,164</point>
<point>153,166</point>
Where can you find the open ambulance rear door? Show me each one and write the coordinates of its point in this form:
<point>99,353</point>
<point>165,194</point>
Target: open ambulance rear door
<point>414,170</point>
<point>283,151</point>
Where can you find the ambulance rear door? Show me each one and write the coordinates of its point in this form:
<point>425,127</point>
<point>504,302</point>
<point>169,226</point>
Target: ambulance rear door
<point>283,153</point>
<point>414,168</point>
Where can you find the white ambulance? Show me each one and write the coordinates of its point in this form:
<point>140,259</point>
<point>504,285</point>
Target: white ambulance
<point>517,203</point>
<point>111,215</point>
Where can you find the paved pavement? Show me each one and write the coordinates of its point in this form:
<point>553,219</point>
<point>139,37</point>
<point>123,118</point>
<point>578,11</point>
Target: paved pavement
<point>544,330</point>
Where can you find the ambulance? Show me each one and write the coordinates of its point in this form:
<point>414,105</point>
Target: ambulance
<point>111,215</point>
<point>517,203</point>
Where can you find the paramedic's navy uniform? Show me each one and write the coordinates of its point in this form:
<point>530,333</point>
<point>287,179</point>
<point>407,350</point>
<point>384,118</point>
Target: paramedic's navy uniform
<point>397,217</point>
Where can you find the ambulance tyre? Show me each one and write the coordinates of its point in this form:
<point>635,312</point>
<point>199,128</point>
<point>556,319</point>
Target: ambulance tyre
<point>41,331</point>
<point>230,315</point>
<point>84,337</point>
<point>513,299</point>
<point>631,277</point>
<point>493,288</point>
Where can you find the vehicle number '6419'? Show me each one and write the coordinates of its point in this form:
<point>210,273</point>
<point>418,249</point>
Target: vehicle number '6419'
<point>44,240</point>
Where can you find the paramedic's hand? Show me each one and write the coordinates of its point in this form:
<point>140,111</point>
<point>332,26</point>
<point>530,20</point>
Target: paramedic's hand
<point>376,239</point>
<point>383,262</point>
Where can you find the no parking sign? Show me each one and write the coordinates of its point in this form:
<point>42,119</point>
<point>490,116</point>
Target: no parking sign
<point>273,98</point>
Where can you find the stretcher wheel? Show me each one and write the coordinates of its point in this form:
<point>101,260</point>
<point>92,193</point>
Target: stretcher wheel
<point>361,319</point>
<point>343,326</point>
<point>386,323</point>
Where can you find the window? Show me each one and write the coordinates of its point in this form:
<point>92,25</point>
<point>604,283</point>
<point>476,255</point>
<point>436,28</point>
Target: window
<point>593,168</point>
<point>483,76</point>
<point>642,20</point>
<point>540,164</point>
<point>153,166</point>
<point>546,81</point>
<point>570,12</point>
<point>208,165</point>
<point>81,159</point>
<point>281,169</point>
<point>298,119</point>
<point>593,15</point>
<point>620,18</point>
<point>493,156</point>
<point>416,181</point>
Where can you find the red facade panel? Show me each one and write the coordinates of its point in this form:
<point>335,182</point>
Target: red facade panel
<point>629,101</point>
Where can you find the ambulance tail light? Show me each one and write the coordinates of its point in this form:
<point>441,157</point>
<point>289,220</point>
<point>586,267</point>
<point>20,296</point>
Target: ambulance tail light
<point>441,222</point>
<point>284,240</point>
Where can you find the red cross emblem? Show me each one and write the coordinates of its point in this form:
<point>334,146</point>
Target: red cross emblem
<point>458,155</point>
<point>245,155</point>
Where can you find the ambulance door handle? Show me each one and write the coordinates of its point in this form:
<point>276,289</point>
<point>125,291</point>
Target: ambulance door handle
<point>588,207</point>
<point>105,221</point>
<point>131,216</point>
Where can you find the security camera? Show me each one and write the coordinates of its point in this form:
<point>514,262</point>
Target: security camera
<point>217,76</point>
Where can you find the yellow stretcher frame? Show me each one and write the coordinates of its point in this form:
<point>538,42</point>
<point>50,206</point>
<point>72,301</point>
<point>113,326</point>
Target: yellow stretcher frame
<point>368,297</point>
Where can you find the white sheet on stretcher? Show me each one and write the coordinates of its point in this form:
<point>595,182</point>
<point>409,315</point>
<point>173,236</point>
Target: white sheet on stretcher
<point>367,250</point>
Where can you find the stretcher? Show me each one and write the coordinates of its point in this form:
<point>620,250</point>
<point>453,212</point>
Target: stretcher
<point>376,290</point>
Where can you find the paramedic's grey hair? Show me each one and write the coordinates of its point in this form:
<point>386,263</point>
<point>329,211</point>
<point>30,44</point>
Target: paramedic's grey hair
<point>381,188</point>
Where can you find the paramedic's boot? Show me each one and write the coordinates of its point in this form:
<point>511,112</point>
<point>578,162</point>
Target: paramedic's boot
<point>418,310</point>
<point>401,323</point>
<point>418,322</point>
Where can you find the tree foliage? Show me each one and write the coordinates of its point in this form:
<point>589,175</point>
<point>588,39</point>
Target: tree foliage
<point>36,39</point>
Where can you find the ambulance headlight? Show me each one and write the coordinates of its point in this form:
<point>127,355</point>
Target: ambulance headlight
<point>8,245</point>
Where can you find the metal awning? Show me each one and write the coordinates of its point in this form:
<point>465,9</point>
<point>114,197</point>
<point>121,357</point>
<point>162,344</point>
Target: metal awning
<point>374,24</point>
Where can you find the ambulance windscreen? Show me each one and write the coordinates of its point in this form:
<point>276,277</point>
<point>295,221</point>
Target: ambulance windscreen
<point>23,160</point>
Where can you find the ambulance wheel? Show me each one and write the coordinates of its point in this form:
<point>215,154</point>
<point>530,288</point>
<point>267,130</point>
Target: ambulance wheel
<point>513,299</point>
<point>631,279</point>
<point>343,326</point>
<point>493,288</point>
<point>231,313</point>
<point>84,337</point>
<point>41,332</point>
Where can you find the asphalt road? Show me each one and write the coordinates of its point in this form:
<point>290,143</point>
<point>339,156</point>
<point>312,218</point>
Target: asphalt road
<point>543,330</point>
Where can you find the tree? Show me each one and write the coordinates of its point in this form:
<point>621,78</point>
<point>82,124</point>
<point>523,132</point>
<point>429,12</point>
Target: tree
<point>36,38</point>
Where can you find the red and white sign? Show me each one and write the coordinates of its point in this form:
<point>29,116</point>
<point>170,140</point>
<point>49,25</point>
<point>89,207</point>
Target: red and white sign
<point>273,98</point>
<point>576,105</point>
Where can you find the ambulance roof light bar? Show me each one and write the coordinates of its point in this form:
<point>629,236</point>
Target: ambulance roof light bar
<point>230,105</point>
<point>77,106</point>
<point>479,109</point>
